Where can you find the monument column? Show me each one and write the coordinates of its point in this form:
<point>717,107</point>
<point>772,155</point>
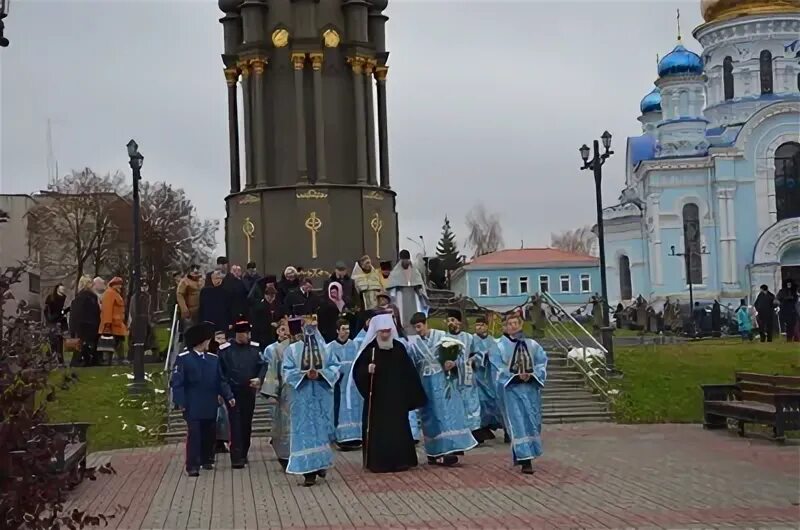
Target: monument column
<point>247,103</point>
<point>369,68</point>
<point>319,118</point>
<point>258,64</point>
<point>299,62</point>
<point>231,77</point>
<point>357,63</point>
<point>383,131</point>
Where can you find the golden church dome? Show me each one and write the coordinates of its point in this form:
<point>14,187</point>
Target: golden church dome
<point>715,10</point>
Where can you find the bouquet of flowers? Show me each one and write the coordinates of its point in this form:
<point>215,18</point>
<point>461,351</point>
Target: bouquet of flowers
<point>448,350</point>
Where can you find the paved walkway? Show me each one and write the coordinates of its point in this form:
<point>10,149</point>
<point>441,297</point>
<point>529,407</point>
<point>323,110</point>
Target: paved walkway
<point>592,476</point>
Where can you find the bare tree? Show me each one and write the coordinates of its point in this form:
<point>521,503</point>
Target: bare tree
<point>485,232</point>
<point>76,222</point>
<point>580,241</point>
<point>173,235</point>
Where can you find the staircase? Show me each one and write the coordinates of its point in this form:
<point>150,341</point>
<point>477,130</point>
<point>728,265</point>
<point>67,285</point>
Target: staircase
<point>262,420</point>
<point>566,398</point>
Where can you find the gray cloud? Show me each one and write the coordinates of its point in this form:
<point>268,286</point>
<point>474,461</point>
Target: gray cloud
<point>488,101</point>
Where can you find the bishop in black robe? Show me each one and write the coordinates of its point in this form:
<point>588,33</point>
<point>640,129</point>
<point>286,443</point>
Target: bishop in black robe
<point>395,390</point>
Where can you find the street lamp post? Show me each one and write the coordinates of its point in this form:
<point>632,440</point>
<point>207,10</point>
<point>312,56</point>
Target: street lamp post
<point>139,330</point>
<point>687,263</point>
<point>595,163</point>
<point>4,4</point>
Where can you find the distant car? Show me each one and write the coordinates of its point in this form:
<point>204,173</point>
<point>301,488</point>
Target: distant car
<point>728,323</point>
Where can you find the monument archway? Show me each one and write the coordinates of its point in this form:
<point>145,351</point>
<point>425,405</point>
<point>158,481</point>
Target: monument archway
<point>777,253</point>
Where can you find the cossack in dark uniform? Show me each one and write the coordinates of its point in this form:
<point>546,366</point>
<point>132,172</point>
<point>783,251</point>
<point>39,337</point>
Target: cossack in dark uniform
<point>244,370</point>
<point>197,383</point>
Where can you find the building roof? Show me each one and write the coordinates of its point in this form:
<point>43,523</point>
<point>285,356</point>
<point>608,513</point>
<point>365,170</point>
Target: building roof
<point>532,257</point>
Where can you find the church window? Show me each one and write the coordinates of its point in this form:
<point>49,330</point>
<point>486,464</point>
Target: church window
<point>787,181</point>
<point>503,285</point>
<point>565,283</point>
<point>692,243</point>
<point>483,287</point>
<point>544,283</point>
<point>727,77</point>
<point>523,285</point>
<point>625,285</point>
<point>586,283</point>
<point>765,61</point>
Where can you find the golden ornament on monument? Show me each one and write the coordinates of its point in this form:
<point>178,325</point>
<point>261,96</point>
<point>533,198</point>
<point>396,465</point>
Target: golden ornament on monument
<point>248,228</point>
<point>280,38</point>
<point>377,225</point>
<point>313,224</point>
<point>330,38</point>
<point>311,194</point>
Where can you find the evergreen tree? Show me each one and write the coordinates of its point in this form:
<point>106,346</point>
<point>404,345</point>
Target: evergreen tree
<point>446,249</point>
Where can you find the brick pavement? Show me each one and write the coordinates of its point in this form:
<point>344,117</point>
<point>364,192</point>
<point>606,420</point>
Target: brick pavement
<point>592,476</point>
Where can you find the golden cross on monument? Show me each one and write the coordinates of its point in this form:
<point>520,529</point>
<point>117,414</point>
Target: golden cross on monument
<point>313,223</point>
<point>248,228</point>
<point>377,225</point>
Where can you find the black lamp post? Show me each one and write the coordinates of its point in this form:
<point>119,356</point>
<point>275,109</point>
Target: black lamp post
<point>595,163</point>
<point>139,330</point>
<point>3,14</point>
<point>687,256</point>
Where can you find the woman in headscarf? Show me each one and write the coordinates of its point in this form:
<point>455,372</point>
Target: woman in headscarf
<point>330,311</point>
<point>289,281</point>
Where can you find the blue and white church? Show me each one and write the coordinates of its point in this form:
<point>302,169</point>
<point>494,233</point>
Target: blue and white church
<point>715,174</point>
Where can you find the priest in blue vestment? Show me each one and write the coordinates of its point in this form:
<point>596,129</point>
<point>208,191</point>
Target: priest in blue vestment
<point>311,370</point>
<point>484,346</point>
<point>522,371</point>
<point>446,434</point>
<point>347,417</point>
<point>465,370</point>
<point>275,387</point>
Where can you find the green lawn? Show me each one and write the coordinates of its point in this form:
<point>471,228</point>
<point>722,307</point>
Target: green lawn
<point>661,384</point>
<point>100,396</point>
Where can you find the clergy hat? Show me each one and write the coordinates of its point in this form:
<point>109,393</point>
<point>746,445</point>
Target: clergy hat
<point>295,326</point>
<point>481,320</point>
<point>404,254</point>
<point>198,333</point>
<point>251,265</point>
<point>270,278</point>
<point>242,325</point>
<point>454,313</point>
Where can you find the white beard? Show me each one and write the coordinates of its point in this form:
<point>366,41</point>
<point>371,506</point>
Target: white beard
<point>385,345</point>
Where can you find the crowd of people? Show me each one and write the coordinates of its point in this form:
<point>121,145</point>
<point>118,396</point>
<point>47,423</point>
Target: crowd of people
<point>382,384</point>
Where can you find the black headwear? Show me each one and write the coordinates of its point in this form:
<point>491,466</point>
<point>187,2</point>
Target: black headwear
<point>242,325</point>
<point>198,333</point>
<point>481,320</point>
<point>404,254</point>
<point>454,313</point>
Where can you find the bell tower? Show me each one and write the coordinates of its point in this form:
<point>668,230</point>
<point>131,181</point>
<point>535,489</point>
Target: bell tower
<point>314,185</point>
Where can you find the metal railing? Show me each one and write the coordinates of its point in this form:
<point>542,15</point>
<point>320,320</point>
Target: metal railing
<point>592,368</point>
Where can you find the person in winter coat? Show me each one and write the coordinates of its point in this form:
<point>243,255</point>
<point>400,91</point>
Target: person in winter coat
<point>787,298</point>
<point>56,320</point>
<point>265,316</point>
<point>112,314</point>
<point>348,287</point>
<point>215,306</point>
<point>744,321</point>
<point>331,310</point>
<point>289,281</point>
<point>765,306</point>
<point>84,321</point>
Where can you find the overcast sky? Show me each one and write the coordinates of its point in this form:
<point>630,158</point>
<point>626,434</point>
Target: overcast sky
<point>488,100</point>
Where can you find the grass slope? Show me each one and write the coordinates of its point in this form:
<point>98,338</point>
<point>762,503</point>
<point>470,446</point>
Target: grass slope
<point>662,383</point>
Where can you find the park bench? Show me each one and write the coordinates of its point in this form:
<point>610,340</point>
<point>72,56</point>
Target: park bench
<point>772,400</point>
<point>70,450</point>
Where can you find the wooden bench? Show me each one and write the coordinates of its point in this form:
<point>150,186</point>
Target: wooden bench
<point>755,398</point>
<point>70,450</point>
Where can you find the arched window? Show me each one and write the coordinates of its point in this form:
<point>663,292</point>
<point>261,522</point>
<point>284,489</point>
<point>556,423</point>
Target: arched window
<point>787,180</point>
<point>766,72</point>
<point>727,77</point>
<point>625,286</point>
<point>692,244</point>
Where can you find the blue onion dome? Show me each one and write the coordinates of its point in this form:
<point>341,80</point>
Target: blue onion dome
<point>651,102</point>
<point>680,61</point>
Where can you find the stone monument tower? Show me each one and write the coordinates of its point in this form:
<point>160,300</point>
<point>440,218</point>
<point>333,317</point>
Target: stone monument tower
<point>313,187</point>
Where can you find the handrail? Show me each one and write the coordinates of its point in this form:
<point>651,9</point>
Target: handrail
<point>553,302</point>
<point>172,336</point>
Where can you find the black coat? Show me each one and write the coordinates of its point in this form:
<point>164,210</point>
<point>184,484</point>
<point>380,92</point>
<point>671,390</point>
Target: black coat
<point>298,304</point>
<point>54,310</point>
<point>285,287</point>
<point>84,315</point>
<point>262,315</point>
<point>215,307</point>
<point>327,316</point>
<point>765,304</point>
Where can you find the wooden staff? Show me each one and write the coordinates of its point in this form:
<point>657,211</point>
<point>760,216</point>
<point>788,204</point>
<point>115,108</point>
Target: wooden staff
<point>369,414</point>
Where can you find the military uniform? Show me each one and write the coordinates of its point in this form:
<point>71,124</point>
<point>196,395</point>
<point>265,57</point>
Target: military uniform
<point>197,382</point>
<point>240,364</point>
